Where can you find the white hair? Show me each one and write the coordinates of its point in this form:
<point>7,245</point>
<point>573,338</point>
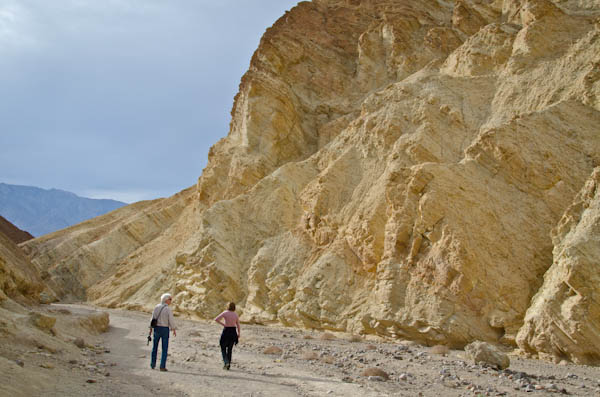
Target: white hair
<point>164,298</point>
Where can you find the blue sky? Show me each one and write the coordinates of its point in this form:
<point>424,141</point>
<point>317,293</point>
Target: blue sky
<point>120,99</point>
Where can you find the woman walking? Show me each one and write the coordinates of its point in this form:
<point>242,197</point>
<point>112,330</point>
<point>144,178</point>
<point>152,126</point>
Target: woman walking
<point>231,333</point>
<point>165,322</point>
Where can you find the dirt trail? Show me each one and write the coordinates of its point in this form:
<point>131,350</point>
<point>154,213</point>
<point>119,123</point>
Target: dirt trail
<point>195,366</point>
<point>307,364</point>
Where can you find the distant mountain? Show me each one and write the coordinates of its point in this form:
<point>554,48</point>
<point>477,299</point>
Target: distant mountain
<point>12,232</point>
<point>41,211</point>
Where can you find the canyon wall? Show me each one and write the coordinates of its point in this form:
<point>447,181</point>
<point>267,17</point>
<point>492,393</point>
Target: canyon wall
<point>412,169</point>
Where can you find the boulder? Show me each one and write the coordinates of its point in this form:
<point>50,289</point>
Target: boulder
<point>487,354</point>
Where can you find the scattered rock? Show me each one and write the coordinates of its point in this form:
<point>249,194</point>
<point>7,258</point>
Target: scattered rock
<point>375,372</point>
<point>96,322</point>
<point>310,356</point>
<point>272,350</point>
<point>41,321</point>
<point>328,359</point>
<point>79,342</point>
<point>46,298</point>
<point>90,381</point>
<point>440,349</point>
<point>482,352</point>
<point>327,336</point>
<point>355,338</point>
<point>20,363</point>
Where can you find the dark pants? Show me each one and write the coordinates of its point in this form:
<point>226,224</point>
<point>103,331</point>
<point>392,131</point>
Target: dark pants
<point>160,333</point>
<point>228,339</point>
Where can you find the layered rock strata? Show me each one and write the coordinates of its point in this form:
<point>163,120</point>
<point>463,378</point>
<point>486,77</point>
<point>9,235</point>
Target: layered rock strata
<point>392,167</point>
<point>563,320</point>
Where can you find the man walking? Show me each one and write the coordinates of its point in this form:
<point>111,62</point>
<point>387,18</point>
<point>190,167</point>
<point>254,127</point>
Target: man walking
<point>165,322</point>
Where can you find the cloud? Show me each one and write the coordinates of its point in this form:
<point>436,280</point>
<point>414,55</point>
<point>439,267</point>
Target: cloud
<point>14,28</point>
<point>120,95</point>
<point>126,196</point>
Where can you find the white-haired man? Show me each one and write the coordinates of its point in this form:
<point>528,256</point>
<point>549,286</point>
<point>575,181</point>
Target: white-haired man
<point>165,322</point>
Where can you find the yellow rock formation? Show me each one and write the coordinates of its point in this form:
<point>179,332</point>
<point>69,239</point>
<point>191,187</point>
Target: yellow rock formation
<point>392,168</point>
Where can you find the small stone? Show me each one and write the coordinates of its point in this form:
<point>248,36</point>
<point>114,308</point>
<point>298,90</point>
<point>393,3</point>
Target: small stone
<point>347,379</point>
<point>74,362</point>
<point>79,342</point>
<point>20,363</point>
<point>529,388</point>
<point>376,378</point>
<point>539,387</point>
<point>90,381</point>
<point>47,366</point>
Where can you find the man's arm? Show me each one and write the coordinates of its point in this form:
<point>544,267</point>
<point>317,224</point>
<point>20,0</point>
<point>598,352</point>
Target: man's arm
<point>172,325</point>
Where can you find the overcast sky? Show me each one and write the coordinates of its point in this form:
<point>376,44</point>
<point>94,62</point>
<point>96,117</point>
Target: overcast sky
<point>121,99</point>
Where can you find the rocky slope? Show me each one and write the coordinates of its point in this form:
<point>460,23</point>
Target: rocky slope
<point>12,232</point>
<point>392,167</point>
<point>20,280</point>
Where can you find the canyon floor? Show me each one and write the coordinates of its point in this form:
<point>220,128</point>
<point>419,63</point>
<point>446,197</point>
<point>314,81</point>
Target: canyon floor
<point>302,363</point>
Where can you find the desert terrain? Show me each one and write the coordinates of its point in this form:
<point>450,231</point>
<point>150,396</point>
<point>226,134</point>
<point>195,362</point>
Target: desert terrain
<point>401,180</point>
<point>268,361</point>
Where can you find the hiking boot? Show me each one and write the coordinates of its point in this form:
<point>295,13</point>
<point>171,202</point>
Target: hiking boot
<point>228,365</point>
<point>164,370</point>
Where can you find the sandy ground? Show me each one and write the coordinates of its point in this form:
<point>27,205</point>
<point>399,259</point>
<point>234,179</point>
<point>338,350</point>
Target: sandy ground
<point>116,363</point>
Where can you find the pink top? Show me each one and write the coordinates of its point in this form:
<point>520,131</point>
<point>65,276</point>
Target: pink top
<point>231,320</point>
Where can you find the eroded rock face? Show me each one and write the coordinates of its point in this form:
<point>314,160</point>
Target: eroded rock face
<point>77,258</point>
<point>564,318</point>
<point>392,167</point>
<point>19,279</point>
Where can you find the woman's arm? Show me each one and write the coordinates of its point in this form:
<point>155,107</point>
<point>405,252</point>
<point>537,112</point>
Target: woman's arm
<point>220,316</point>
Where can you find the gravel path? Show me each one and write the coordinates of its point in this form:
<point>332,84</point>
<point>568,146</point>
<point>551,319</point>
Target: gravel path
<point>301,363</point>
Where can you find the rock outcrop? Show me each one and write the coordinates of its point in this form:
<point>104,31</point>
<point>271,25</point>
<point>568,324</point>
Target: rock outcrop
<point>563,321</point>
<point>392,168</point>
<point>20,280</point>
